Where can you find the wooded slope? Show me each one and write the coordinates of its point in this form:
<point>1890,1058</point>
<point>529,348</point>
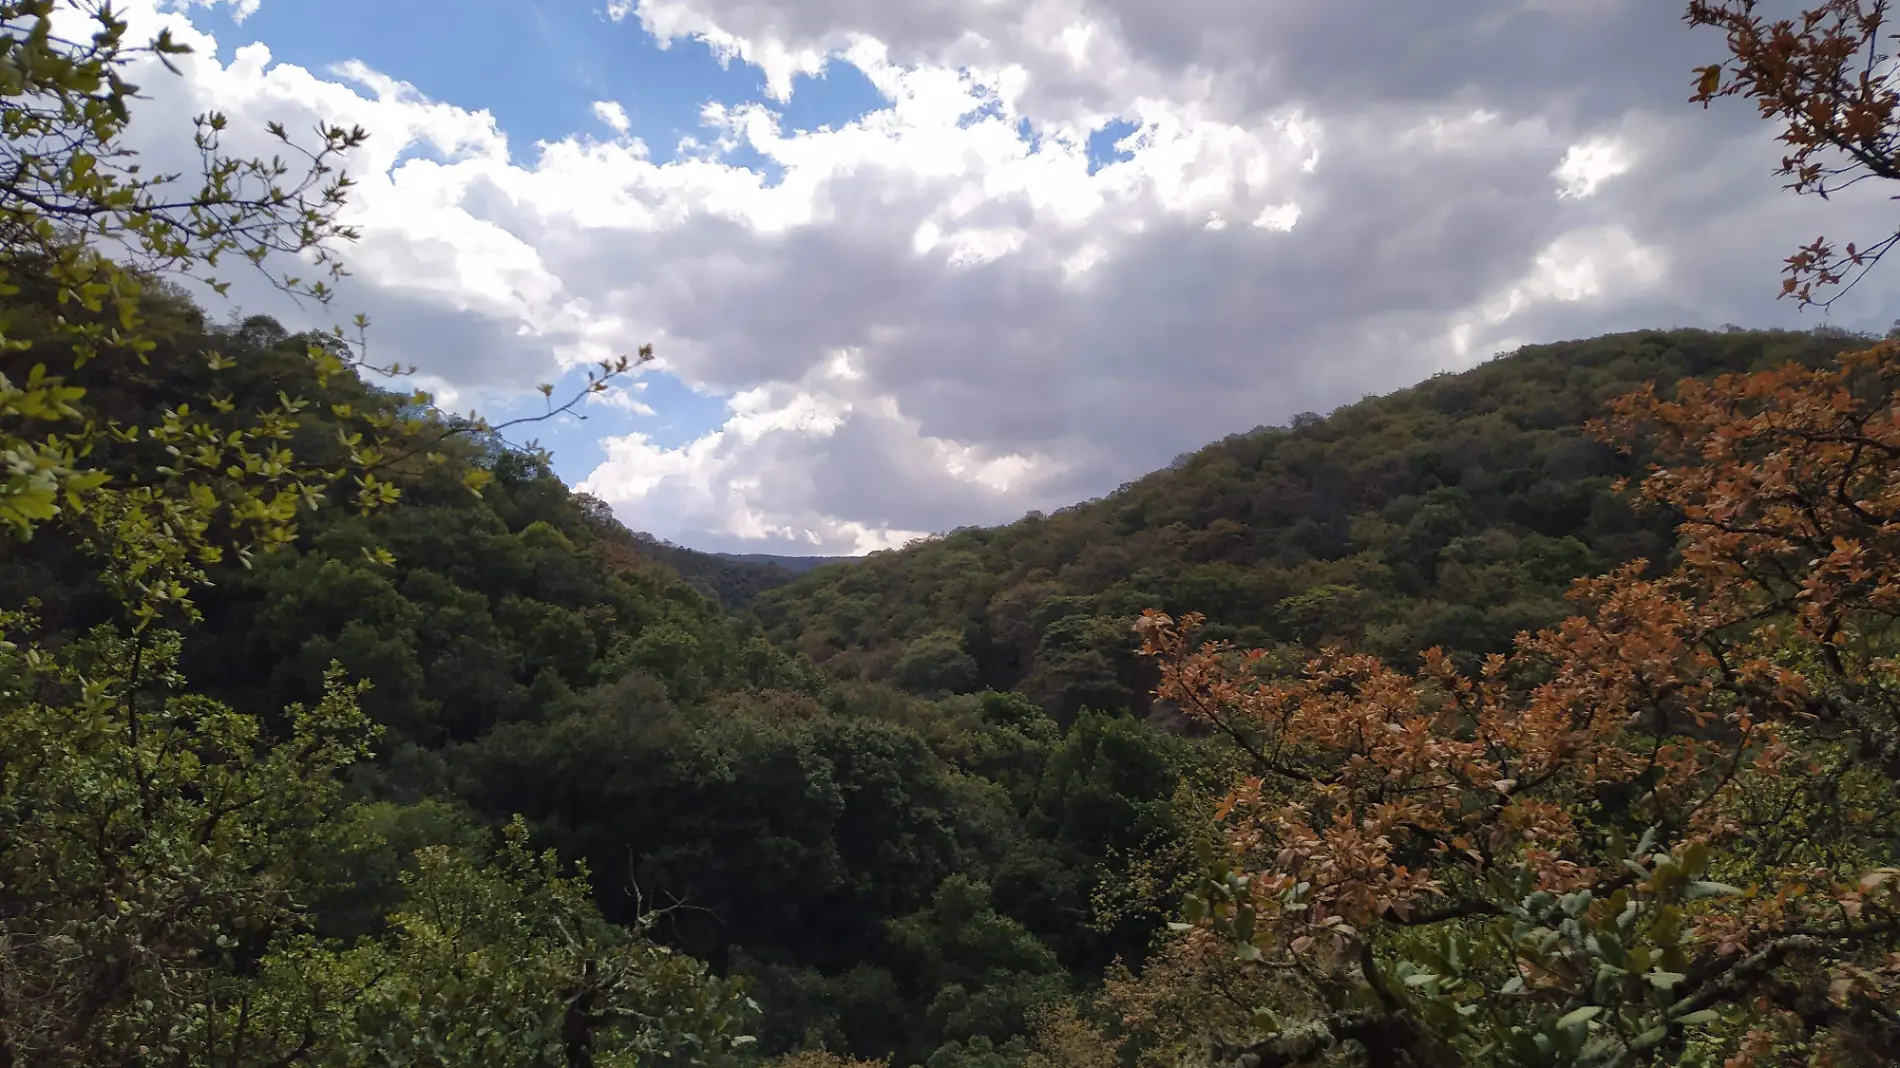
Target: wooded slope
<point>1452,513</point>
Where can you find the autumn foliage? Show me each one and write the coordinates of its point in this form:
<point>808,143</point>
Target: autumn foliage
<point>1823,77</point>
<point>1660,832</point>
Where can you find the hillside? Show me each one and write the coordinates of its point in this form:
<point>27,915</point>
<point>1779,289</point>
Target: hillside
<point>1453,513</point>
<point>796,565</point>
<point>906,876</point>
<point>732,580</point>
<point>528,655</point>
<point>337,731</point>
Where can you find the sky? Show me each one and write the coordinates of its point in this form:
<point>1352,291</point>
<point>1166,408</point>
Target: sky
<point>920,265</point>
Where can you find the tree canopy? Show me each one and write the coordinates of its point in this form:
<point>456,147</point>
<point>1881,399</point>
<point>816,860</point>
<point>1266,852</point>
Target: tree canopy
<point>1468,725</point>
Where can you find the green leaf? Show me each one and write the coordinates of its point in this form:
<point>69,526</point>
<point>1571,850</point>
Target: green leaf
<point>1649,1038</point>
<point>1578,1017</point>
<point>1699,1017</point>
<point>1665,980</point>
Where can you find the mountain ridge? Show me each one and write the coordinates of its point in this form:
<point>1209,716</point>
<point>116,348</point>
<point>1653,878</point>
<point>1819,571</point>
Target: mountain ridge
<point>1453,512</point>
<point>797,565</point>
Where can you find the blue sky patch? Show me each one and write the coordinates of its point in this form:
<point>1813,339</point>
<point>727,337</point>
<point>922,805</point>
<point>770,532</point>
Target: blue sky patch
<point>536,66</point>
<point>680,416</point>
<point>830,99</point>
<point>1028,132</point>
<point>989,109</point>
<point>1102,140</point>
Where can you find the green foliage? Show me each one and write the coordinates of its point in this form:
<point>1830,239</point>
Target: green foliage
<point>978,973</point>
<point>1001,737</point>
<point>788,835</point>
<point>510,964</point>
<point>1554,981</point>
<point>355,879</point>
<point>158,858</point>
<point>1107,786</point>
<point>145,833</point>
<point>69,174</point>
<point>1451,513</point>
<point>71,194</point>
<point>523,656</point>
<point>162,843</point>
<point>935,665</point>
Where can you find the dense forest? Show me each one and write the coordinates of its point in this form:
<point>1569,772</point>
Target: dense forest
<point>795,565</point>
<point>732,580</point>
<point>1453,514</point>
<point>1539,715</point>
<point>527,655</point>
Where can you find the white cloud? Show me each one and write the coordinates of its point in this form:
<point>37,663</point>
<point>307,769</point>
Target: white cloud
<point>1579,266</point>
<point>1588,164</point>
<point>624,396</point>
<point>1278,217</point>
<point>611,113</point>
<point>240,9</point>
<point>744,480</point>
<point>925,318</point>
<point>779,63</point>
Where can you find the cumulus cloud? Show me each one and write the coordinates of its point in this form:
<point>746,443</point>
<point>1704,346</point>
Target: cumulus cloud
<point>240,9</point>
<point>611,113</point>
<point>1588,164</point>
<point>946,311</point>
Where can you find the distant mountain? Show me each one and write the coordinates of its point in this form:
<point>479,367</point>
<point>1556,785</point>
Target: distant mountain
<point>797,565</point>
<point>1454,513</point>
<point>733,581</point>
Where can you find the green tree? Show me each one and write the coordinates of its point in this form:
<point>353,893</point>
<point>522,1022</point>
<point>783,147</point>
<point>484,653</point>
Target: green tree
<point>978,974</point>
<point>71,197</point>
<point>509,964</point>
<point>936,665</point>
<point>144,836</point>
<point>160,850</point>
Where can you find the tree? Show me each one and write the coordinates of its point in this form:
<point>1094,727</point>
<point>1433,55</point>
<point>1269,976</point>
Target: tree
<point>1658,833</point>
<point>141,826</point>
<point>510,964</point>
<point>155,874</point>
<point>70,198</point>
<point>1824,77</point>
<point>978,974</point>
<point>1662,831</point>
<point>160,850</point>
<point>936,665</point>
<point>86,231</point>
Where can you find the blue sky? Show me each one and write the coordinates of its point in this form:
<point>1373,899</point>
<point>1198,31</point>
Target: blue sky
<point>680,415</point>
<point>539,67</point>
<point>1008,254</point>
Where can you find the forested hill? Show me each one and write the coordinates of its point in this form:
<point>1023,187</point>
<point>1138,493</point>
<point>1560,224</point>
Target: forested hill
<point>732,580</point>
<point>1452,513</point>
<point>337,731</point>
<point>796,565</point>
<point>891,877</point>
